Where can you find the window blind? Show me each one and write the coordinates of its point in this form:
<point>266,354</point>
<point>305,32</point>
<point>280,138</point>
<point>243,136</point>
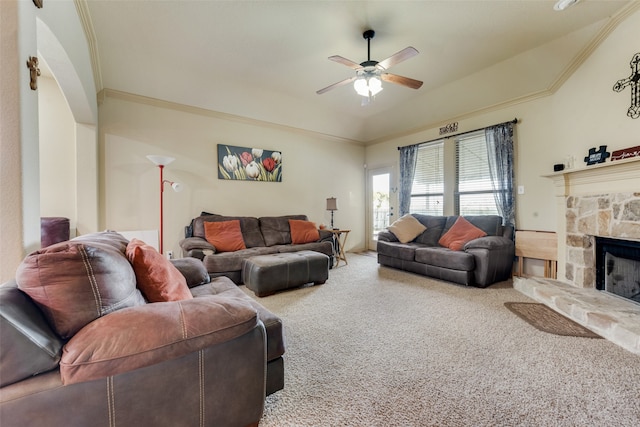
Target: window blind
<point>427,191</point>
<point>474,192</point>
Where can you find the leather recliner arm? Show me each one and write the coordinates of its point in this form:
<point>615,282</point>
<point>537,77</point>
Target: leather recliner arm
<point>493,256</point>
<point>387,236</point>
<point>191,243</point>
<point>142,336</point>
<point>488,242</point>
<point>325,235</point>
<point>196,247</point>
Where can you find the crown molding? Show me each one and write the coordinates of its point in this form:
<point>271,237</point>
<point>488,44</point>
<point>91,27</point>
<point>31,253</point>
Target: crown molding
<point>85,18</point>
<point>470,114</point>
<point>577,62</point>
<point>159,103</point>
<point>597,40</point>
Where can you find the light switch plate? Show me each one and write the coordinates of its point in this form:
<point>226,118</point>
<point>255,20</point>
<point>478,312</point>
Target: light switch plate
<point>520,189</point>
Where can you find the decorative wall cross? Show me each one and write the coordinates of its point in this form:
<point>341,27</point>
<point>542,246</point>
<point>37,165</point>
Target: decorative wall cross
<point>34,72</point>
<point>634,81</point>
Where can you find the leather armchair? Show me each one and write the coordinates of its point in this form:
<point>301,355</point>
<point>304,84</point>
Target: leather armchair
<point>194,362</point>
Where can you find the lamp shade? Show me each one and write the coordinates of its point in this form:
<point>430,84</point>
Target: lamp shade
<point>160,160</point>
<point>332,204</point>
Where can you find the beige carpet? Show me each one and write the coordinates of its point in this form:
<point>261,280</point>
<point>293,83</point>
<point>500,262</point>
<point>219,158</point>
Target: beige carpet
<point>380,347</point>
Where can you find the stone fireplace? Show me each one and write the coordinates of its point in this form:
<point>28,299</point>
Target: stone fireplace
<point>600,200</point>
<point>614,215</point>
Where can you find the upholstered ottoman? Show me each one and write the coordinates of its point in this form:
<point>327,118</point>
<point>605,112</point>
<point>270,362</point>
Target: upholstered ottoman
<point>267,274</point>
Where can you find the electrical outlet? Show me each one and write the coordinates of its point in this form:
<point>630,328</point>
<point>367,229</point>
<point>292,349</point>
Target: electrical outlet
<point>169,254</point>
<point>520,189</point>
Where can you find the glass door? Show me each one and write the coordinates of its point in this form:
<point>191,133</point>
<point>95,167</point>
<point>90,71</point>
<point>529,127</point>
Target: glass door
<point>380,204</point>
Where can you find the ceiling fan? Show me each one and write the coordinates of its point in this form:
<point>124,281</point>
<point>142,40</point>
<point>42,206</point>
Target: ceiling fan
<point>369,73</point>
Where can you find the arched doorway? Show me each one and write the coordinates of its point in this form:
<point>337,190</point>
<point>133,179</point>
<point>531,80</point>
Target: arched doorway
<point>68,138</point>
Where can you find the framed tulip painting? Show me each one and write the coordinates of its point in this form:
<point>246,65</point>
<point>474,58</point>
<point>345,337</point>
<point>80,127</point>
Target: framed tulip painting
<point>249,164</point>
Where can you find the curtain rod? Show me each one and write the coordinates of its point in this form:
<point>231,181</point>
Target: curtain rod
<point>514,121</point>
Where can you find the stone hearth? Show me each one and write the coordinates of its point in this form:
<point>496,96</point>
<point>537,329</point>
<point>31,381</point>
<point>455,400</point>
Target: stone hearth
<point>599,200</point>
<point>609,316</point>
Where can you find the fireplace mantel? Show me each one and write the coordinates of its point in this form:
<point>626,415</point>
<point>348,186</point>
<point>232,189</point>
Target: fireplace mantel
<point>584,199</point>
<point>613,176</point>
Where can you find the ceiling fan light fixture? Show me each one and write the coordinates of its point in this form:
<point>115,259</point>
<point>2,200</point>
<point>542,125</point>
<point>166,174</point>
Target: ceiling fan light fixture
<point>368,82</point>
<point>361,86</point>
<point>375,85</point>
<point>564,4</point>
<point>368,86</point>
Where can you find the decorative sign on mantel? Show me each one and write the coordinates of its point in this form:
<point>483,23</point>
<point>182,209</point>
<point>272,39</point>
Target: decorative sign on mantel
<point>625,153</point>
<point>451,127</point>
<point>597,156</point>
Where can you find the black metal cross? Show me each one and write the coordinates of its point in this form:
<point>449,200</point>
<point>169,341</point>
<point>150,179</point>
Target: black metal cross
<point>634,81</point>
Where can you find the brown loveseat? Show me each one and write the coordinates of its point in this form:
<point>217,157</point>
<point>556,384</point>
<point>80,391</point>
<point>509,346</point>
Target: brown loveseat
<point>80,345</point>
<point>475,261</point>
<point>261,236</point>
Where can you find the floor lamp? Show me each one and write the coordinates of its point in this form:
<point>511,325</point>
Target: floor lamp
<point>161,162</point>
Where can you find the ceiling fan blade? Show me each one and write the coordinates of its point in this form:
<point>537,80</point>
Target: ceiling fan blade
<point>335,85</point>
<point>349,63</point>
<point>396,58</point>
<point>404,81</point>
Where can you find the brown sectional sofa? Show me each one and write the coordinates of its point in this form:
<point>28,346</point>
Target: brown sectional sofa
<point>98,354</point>
<point>481,261</point>
<point>262,236</point>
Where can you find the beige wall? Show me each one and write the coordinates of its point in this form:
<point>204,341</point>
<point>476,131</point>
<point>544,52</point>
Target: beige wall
<point>585,112</point>
<point>10,172</point>
<point>19,196</point>
<point>54,32</point>
<point>57,153</point>
<point>314,168</point>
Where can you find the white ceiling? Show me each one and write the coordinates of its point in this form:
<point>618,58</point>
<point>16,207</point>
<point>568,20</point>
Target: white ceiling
<point>265,59</point>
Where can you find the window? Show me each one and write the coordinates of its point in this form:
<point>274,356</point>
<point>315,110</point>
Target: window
<point>470,186</point>
<point>427,192</point>
<point>474,190</point>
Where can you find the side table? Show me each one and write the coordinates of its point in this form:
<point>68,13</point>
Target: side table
<point>339,241</point>
<point>538,245</point>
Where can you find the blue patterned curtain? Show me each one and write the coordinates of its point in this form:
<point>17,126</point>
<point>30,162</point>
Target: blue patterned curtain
<point>408,157</point>
<point>500,153</point>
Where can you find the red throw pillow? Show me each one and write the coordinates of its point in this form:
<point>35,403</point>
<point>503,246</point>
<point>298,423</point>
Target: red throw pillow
<point>303,231</point>
<point>226,236</point>
<point>157,278</point>
<point>461,232</point>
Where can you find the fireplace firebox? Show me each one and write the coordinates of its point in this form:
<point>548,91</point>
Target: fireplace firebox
<point>618,267</point>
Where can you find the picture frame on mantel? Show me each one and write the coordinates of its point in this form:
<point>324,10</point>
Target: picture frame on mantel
<point>249,164</point>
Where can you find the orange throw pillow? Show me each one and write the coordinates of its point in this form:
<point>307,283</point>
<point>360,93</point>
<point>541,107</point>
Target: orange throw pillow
<point>226,236</point>
<point>156,277</point>
<point>461,232</point>
<point>303,231</point>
